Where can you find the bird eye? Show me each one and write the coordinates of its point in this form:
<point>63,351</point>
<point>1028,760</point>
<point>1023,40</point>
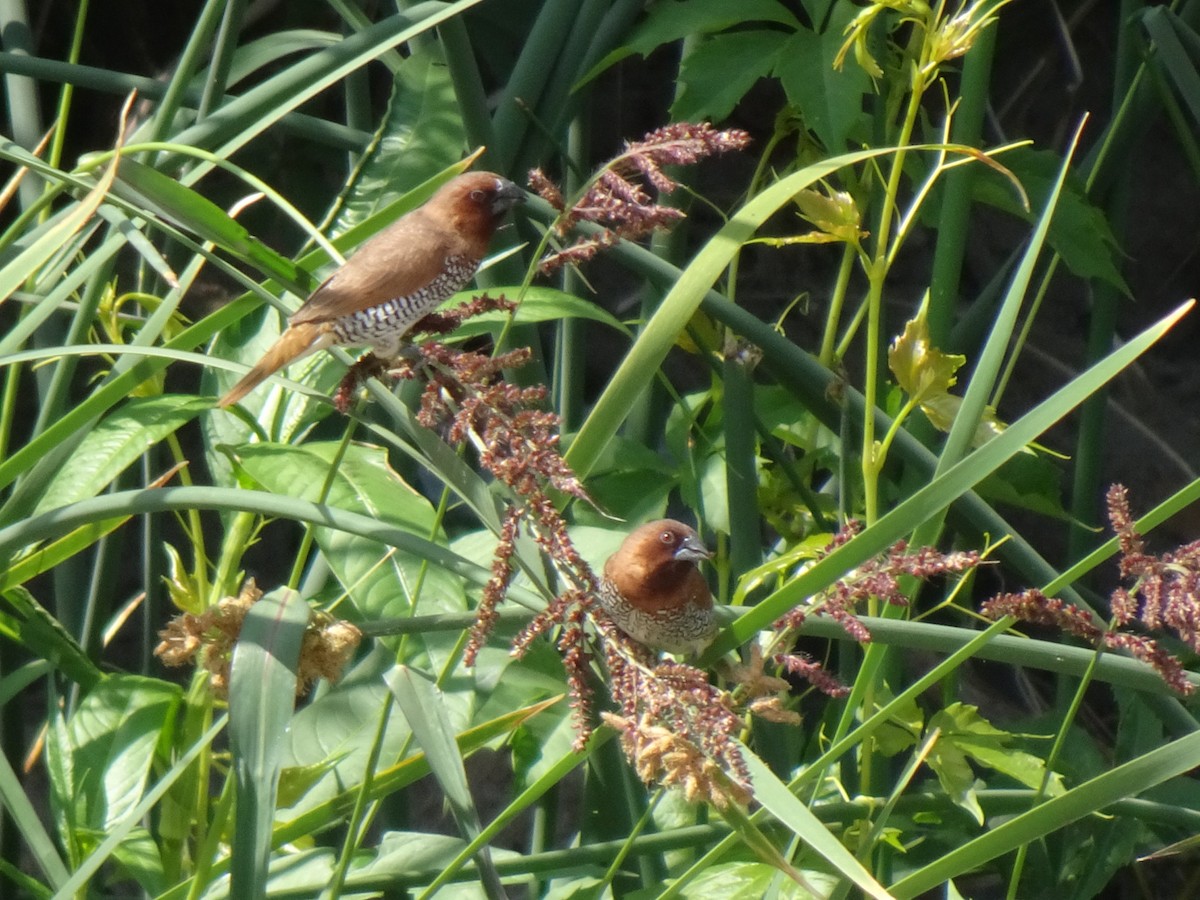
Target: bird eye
<point>478,196</point>
<point>667,537</point>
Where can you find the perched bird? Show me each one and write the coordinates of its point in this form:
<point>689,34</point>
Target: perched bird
<point>395,278</point>
<point>653,591</point>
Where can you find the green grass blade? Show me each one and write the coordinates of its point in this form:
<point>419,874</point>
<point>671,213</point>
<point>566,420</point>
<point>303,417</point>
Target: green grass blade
<point>775,797</point>
<point>424,706</point>
<point>939,494</point>
<point>262,694</point>
<point>1126,780</point>
<point>640,365</point>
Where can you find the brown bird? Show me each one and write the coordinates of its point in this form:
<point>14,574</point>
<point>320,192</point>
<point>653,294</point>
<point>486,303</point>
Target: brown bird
<point>653,591</point>
<point>395,278</point>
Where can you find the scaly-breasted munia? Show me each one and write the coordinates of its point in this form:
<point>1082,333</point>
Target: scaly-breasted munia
<point>654,592</point>
<point>396,278</point>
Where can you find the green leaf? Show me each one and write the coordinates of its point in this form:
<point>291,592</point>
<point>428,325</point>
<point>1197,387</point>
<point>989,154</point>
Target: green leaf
<point>922,370</point>
<point>420,134</point>
<point>1079,232</point>
<point>721,70</point>
<point>753,881</point>
<point>829,100</point>
<point>51,237</point>
<point>382,581</point>
<point>139,855</point>
<point>424,706</point>
<point>150,189</point>
<point>787,808</point>
<point>113,735</point>
<point>1126,780</point>
<point>43,635</point>
<point>674,20</point>
<point>116,443</point>
<point>262,695</point>
<point>1028,481</point>
<point>988,745</point>
<point>538,304</point>
<point>955,775</point>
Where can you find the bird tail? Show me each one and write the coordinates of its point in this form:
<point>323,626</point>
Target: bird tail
<point>296,342</point>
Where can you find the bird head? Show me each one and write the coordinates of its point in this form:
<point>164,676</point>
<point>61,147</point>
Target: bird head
<point>657,558</point>
<point>484,193</point>
<point>472,205</point>
<point>675,541</point>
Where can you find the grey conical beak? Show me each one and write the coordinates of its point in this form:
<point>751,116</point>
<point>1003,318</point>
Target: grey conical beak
<point>691,549</point>
<point>507,196</point>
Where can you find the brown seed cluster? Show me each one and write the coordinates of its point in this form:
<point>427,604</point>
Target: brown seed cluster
<point>1164,595</point>
<point>207,641</point>
<point>676,727</point>
<point>616,198</point>
<point>879,578</point>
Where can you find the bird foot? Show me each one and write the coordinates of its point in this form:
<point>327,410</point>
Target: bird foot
<point>371,365</point>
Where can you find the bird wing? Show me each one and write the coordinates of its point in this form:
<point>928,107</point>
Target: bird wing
<point>397,262</point>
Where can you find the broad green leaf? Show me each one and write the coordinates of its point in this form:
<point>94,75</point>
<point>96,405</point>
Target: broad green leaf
<point>409,770</point>
<point>421,132</point>
<point>962,724</point>
<point>954,774</point>
<point>113,735</point>
<point>382,581</point>
<point>1126,780</point>
<point>44,636</point>
<point>753,881</point>
<point>1079,232</point>
<point>336,730</point>
<point>1028,481</point>
<point>828,100</point>
<point>676,19</point>
<point>118,441</point>
<point>721,70</point>
<point>139,855</point>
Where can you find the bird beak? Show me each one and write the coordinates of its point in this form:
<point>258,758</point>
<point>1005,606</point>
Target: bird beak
<point>692,550</point>
<point>507,196</point>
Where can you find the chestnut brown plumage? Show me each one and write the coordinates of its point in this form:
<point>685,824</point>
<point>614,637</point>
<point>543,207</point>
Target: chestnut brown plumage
<point>653,591</point>
<point>395,278</point>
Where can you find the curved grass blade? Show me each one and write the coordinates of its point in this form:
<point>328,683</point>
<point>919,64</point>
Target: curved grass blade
<point>425,709</point>
<point>1126,780</point>
<point>262,694</point>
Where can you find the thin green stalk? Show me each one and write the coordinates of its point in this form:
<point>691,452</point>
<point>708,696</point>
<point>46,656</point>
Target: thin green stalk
<point>1060,741</point>
<point>355,828</point>
<point>189,62</point>
<point>741,469</point>
<point>207,852</point>
<point>195,528</point>
<point>954,216</point>
<point>8,405</point>
<point>872,460</point>
<point>837,301</point>
<point>528,79</point>
<point>237,536</point>
<point>217,75</point>
<point>54,156</point>
<point>20,91</point>
<point>306,541</point>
